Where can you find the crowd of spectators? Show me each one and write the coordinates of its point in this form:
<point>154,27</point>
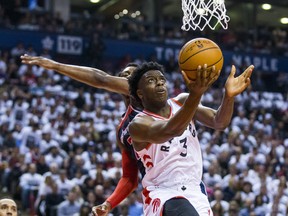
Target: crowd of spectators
<point>58,153</point>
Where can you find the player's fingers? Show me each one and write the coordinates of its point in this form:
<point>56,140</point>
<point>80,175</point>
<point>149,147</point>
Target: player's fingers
<point>101,211</point>
<point>214,77</point>
<point>204,75</point>
<point>27,61</point>
<point>185,77</point>
<point>247,82</point>
<point>94,213</point>
<point>249,71</point>
<point>211,72</point>
<point>204,71</point>
<point>25,56</point>
<point>233,71</point>
<point>97,211</point>
<point>198,76</point>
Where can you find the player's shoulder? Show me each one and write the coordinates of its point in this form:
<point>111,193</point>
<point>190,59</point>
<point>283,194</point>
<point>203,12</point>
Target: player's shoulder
<point>140,120</point>
<point>180,99</point>
<point>140,117</point>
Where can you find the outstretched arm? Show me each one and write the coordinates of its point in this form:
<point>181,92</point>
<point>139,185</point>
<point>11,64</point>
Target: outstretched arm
<point>90,76</point>
<point>125,186</point>
<point>220,119</point>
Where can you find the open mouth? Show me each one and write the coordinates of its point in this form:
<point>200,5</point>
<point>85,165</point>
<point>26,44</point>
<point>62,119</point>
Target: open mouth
<point>161,90</point>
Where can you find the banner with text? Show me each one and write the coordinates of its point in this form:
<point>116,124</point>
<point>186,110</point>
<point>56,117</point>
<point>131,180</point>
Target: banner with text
<point>58,43</point>
<point>116,49</point>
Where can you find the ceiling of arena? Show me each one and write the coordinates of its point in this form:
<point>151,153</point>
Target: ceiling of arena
<point>241,11</point>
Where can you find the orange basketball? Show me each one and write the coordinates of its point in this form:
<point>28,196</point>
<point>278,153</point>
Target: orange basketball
<point>199,51</point>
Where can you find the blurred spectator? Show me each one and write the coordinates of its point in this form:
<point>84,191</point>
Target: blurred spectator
<point>85,210</point>
<point>54,156</point>
<point>79,195</point>
<point>233,208</point>
<point>261,201</point>
<point>69,206</point>
<point>30,136</point>
<point>45,188</point>
<point>247,208</point>
<point>18,50</point>
<point>218,203</point>
<point>76,166</point>
<point>135,207</point>
<point>87,186</point>
<point>30,51</point>
<point>63,183</point>
<point>52,200</point>
<point>41,165</point>
<point>211,178</point>
<point>99,194</point>
<point>29,183</point>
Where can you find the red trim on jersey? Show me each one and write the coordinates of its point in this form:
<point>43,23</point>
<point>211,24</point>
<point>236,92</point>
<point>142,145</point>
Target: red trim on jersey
<point>128,111</point>
<point>148,146</point>
<point>147,200</point>
<point>146,157</point>
<point>128,181</point>
<point>179,197</point>
<point>156,115</point>
<point>129,140</point>
<point>177,102</point>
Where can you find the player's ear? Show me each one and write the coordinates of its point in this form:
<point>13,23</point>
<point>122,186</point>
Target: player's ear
<point>139,94</point>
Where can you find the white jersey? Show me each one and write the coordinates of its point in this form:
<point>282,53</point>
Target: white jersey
<point>173,169</point>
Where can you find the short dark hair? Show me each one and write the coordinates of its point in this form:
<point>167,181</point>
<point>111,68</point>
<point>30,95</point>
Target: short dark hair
<point>131,64</point>
<point>138,73</point>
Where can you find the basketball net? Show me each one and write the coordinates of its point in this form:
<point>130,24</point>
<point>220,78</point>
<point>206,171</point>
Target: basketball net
<point>202,13</point>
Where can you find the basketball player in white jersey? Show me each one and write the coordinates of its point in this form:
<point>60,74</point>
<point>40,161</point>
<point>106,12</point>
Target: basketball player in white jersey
<point>165,140</point>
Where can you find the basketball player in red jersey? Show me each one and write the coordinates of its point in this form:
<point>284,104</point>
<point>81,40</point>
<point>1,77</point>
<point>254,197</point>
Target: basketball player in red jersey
<point>164,137</point>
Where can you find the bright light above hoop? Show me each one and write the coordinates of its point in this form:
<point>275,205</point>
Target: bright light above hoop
<point>284,20</point>
<point>266,6</point>
<point>94,1</point>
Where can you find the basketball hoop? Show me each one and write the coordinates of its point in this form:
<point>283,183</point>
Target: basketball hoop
<point>202,13</point>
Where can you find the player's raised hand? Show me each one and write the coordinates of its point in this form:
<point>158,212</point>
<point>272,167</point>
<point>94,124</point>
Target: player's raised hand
<point>38,60</point>
<point>236,85</point>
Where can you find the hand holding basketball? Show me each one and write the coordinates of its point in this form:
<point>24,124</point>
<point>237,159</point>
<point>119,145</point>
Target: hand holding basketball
<point>204,79</point>
<point>200,51</point>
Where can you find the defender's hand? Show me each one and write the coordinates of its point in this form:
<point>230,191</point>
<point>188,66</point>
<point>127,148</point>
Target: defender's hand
<point>38,60</point>
<point>101,210</point>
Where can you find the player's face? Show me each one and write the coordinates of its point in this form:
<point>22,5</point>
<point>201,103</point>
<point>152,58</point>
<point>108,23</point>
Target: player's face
<point>153,87</point>
<point>127,71</point>
<point>8,208</point>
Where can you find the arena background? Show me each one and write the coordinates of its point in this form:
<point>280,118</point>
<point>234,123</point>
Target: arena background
<point>108,35</point>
